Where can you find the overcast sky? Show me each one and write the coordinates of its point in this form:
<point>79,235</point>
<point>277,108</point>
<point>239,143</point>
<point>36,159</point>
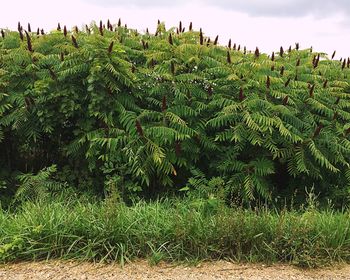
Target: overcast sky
<point>268,24</point>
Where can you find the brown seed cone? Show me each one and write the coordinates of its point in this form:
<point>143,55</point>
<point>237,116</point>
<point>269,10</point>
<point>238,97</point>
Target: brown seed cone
<point>29,43</point>
<point>29,102</point>
<point>344,63</point>
<point>282,71</point>
<point>2,33</point>
<point>228,57</point>
<point>52,74</point>
<point>234,46</point>
<point>65,32</point>
<point>285,100</point>
<point>239,48</point>
<point>62,56</point>
<point>281,51</point>
<point>333,55</point>
<point>287,82</point>
<point>38,31</point>
<point>201,39</point>
<point>172,67</point>
<point>298,62</point>
<point>297,46</point>
<point>110,48</point>
<point>180,26</point>
<point>268,82</point>
<point>273,56</point>
<point>318,130</point>
<point>229,44</point>
<point>178,148</point>
<point>170,39</point>
<point>21,35</point>
<point>58,27</point>
<point>29,28</point>
<point>164,103</point>
<point>257,53</point>
<point>42,31</point>
<point>119,22</point>
<point>190,27</point>
<point>325,83</point>
<point>101,28</point>
<point>241,95</point>
<point>317,61</point>
<point>208,42</point>
<point>74,41</point>
<point>216,40</point>
<point>210,91</point>
<point>139,128</point>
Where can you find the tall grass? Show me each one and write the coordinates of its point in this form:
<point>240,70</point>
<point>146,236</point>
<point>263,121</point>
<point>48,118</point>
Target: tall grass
<point>172,231</point>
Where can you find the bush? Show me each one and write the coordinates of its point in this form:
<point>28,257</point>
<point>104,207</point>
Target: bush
<point>140,114</point>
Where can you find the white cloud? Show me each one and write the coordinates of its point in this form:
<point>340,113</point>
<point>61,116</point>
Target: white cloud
<point>268,33</point>
<point>292,8</point>
<point>275,8</point>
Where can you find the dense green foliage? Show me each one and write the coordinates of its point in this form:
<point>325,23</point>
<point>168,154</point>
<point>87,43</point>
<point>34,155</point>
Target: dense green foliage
<point>112,110</point>
<point>191,230</point>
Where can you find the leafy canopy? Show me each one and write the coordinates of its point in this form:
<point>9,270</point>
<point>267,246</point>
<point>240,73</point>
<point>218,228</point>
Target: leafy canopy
<point>149,111</point>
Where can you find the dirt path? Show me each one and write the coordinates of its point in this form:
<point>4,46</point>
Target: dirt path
<point>141,270</point>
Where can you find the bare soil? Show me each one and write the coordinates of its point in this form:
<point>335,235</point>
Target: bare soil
<point>62,270</point>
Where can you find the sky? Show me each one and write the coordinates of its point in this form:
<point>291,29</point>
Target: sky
<point>267,24</point>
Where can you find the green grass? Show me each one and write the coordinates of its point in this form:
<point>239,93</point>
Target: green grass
<point>172,231</point>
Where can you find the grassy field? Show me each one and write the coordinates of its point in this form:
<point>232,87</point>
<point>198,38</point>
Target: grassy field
<point>171,131</point>
<point>175,231</point>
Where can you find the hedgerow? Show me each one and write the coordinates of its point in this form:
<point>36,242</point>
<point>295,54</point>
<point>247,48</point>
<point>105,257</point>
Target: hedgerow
<point>116,110</point>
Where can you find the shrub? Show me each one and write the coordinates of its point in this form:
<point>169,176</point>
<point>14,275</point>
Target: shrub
<point>113,108</point>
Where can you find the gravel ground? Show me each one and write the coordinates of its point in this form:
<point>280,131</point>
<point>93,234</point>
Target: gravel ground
<point>61,270</point>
